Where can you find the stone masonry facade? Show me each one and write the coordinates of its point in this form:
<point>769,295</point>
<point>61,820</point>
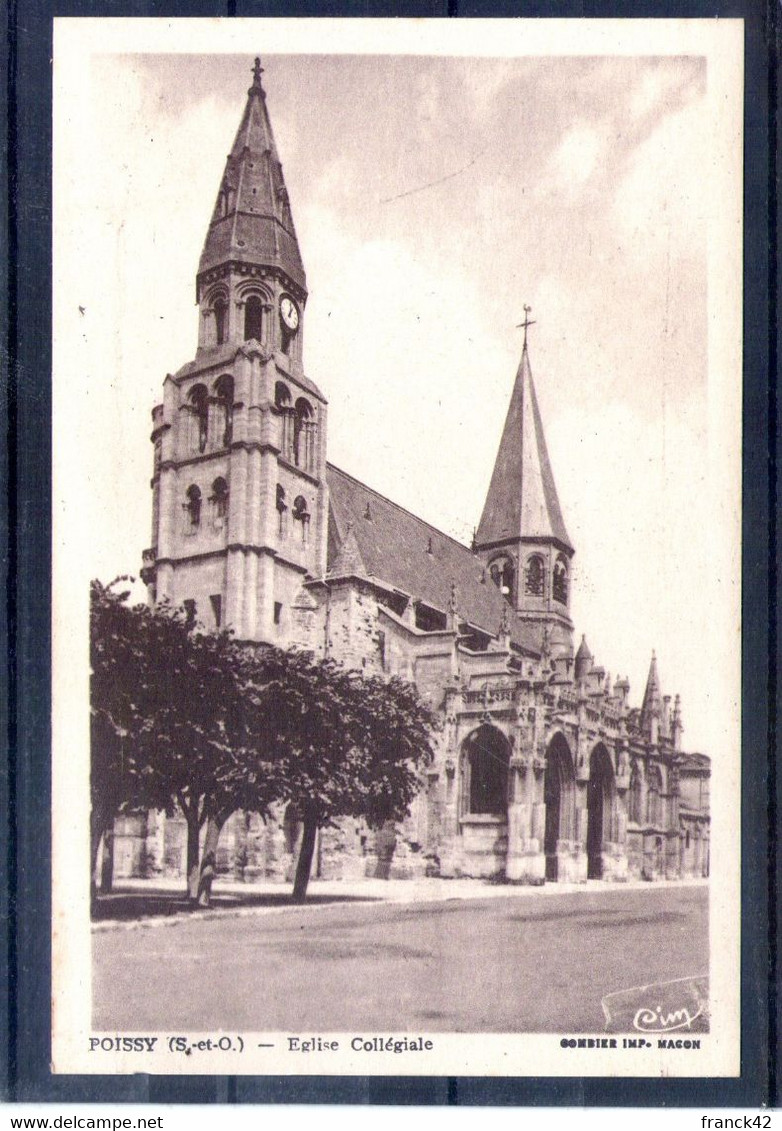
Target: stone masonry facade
<point>544,771</point>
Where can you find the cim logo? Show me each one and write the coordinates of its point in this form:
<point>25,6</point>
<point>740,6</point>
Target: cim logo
<point>664,1007</point>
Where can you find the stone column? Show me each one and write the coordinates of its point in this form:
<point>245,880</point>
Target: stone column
<point>170,513</point>
<point>579,864</point>
<point>250,603</point>
<point>450,844</point>
<point>518,823</point>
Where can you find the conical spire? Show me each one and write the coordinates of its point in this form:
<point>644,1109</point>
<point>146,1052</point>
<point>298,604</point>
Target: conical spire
<point>652,703</point>
<point>252,221</point>
<point>522,501</point>
<point>583,660</point>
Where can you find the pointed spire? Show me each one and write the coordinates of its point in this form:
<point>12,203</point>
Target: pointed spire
<point>252,221</point>
<point>522,501</point>
<point>349,562</point>
<point>583,660</point>
<point>677,725</point>
<point>652,702</point>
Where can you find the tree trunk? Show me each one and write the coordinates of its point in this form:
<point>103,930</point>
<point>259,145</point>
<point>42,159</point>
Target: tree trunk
<point>214,826</point>
<point>100,821</point>
<point>193,830</point>
<point>107,859</point>
<point>304,863</point>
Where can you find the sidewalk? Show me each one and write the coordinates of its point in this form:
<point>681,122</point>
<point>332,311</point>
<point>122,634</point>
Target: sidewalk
<point>161,902</point>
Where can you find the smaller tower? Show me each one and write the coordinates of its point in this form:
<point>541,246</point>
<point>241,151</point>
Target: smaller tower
<point>521,535</point>
<point>583,664</point>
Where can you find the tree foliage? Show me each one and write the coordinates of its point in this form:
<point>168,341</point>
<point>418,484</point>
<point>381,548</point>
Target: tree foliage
<point>355,747</point>
<point>186,718</point>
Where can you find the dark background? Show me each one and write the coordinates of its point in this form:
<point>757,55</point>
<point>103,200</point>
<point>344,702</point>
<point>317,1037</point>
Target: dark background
<point>25,322</point>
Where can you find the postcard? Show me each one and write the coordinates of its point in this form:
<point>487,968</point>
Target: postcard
<point>396,567</point>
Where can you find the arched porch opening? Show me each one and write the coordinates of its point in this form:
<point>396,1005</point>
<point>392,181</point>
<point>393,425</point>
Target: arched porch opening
<point>601,803</point>
<point>559,795</point>
<point>485,758</point>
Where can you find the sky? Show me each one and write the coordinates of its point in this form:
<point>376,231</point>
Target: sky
<point>433,198</point>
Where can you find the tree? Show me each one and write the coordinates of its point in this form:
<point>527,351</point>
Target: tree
<point>178,717</point>
<point>356,748</point>
<point>119,708</point>
<point>185,718</point>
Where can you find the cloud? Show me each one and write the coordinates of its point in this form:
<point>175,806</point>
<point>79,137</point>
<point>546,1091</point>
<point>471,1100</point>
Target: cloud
<point>640,582</point>
<point>402,345</point>
<point>577,157</point>
<point>652,90</point>
<point>663,188</point>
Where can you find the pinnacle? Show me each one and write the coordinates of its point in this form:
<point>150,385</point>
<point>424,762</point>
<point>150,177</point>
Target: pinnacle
<point>652,701</point>
<point>349,561</point>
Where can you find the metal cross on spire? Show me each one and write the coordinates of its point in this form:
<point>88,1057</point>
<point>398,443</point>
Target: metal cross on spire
<point>257,71</point>
<point>527,322</point>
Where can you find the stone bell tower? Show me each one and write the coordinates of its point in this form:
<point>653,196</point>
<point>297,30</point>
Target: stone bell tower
<point>521,535</point>
<point>239,495</point>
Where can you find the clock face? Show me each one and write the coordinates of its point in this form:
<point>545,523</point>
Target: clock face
<point>289,312</point>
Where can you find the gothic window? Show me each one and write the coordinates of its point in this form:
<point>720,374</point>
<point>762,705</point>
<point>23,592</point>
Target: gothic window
<point>303,435</point>
<point>282,507</point>
<point>503,575</point>
<point>253,319</point>
<point>220,497</point>
<point>534,576</point>
<point>486,757</point>
<point>282,402</point>
<point>636,796</point>
<point>216,602</point>
<point>199,407</point>
<point>224,410</point>
<point>560,586</point>
<point>654,801</point>
<point>301,515</point>
<point>190,612</point>
<point>193,505</point>
<point>220,308</point>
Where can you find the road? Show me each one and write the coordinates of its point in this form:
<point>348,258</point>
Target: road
<point>539,963</point>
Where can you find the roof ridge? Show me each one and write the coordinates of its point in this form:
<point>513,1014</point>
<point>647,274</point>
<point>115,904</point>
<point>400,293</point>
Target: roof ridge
<point>399,507</point>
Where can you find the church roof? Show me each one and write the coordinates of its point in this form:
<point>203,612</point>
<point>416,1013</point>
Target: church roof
<point>405,553</point>
<point>252,220</point>
<point>522,501</point>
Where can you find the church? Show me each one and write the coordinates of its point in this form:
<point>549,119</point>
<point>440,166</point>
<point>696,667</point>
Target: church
<point>544,772</point>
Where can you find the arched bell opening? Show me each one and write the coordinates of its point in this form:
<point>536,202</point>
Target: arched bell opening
<point>601,809</point>
<point>559,797</point>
